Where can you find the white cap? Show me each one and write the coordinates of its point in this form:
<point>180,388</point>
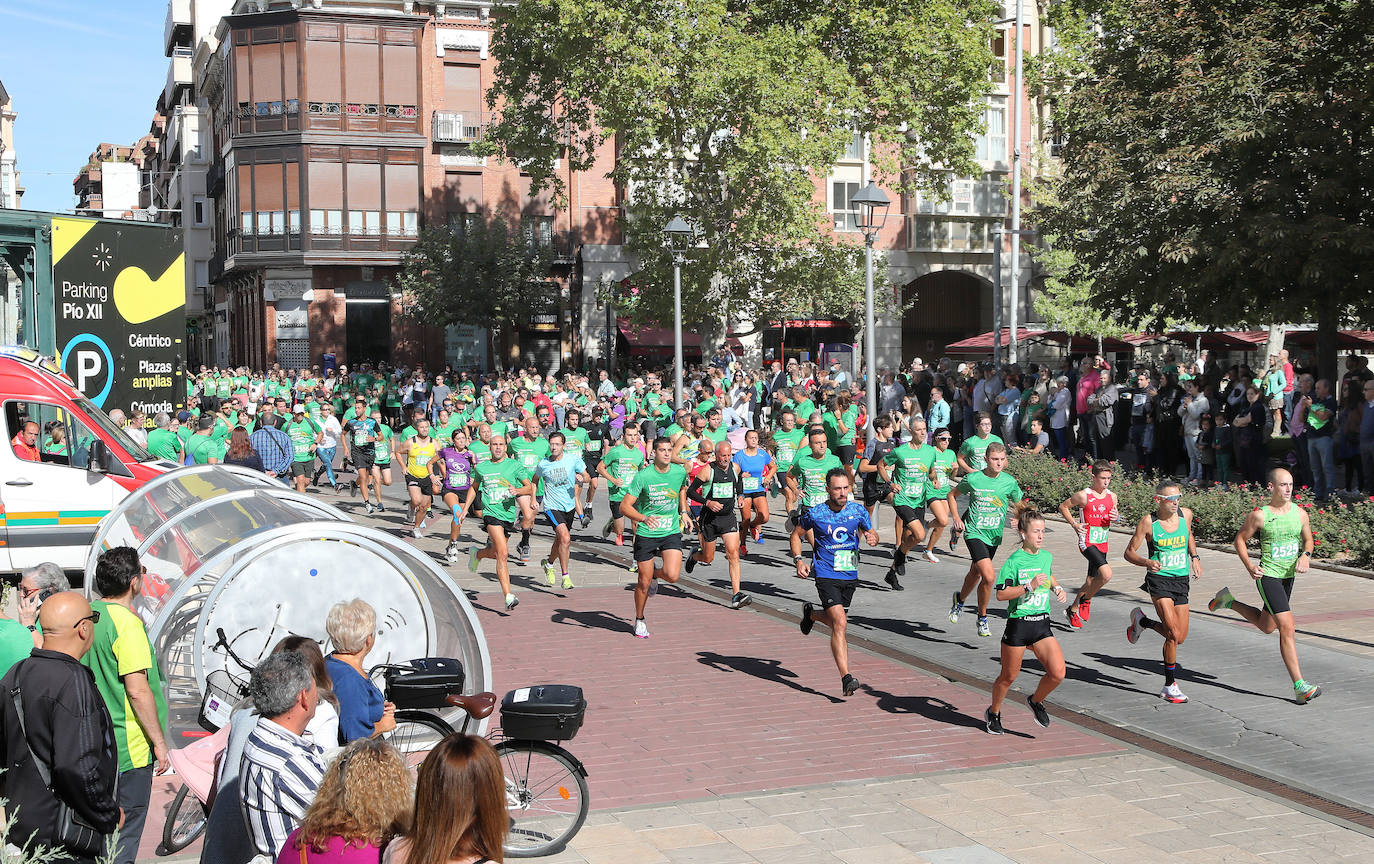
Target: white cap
<point>298,409</point>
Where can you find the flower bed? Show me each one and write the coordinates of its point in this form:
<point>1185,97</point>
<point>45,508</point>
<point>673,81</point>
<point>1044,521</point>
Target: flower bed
<point>1344,532</point>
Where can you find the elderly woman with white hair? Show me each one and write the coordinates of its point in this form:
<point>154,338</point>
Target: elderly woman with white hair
<point>363,713</point>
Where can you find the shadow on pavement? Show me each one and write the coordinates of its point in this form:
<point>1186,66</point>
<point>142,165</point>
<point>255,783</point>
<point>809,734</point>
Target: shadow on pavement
<point>908,629</point>
<point>937,710</point>
<point>758,667</point>
<point>1183,674</point>
<point>591,619</point>
<point>1089,675</point>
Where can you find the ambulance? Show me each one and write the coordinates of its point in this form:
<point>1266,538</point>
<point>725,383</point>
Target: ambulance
<point>63,465</point>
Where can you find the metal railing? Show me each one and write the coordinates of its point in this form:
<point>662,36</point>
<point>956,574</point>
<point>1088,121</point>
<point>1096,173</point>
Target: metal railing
<point>459,127</point>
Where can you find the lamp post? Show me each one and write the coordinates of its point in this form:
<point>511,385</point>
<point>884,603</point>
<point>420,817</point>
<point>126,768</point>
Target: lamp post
<point>679,236</point>
<point>872,203</point>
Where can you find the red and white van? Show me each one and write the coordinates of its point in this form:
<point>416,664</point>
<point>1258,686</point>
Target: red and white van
<point>49,506</point>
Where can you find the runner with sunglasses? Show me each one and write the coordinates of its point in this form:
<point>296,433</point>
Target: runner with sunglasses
<point>1168,537</point>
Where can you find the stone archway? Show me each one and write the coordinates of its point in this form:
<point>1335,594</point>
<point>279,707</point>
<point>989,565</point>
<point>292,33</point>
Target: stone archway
<point>946,306</point>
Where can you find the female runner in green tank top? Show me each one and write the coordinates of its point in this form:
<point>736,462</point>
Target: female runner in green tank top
<point>1285,536</point>
<point>1172,556</point>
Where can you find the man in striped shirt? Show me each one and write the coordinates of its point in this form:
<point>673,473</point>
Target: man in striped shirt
<point>281,770</point>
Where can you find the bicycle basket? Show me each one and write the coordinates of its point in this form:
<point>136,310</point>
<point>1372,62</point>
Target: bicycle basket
<point>222,693</point>
<point>433,679</point>
<point>548,712</point>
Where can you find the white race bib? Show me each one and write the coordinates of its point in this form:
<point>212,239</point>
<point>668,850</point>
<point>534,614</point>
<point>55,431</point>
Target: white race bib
<point>844,560</point>
<point>722,490</point>
<point>751,483</point>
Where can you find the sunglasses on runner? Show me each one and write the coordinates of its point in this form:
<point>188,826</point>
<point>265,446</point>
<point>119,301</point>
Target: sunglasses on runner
<point>1167,497</point>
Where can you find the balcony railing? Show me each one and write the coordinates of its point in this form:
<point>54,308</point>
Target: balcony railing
<point>459,127</point>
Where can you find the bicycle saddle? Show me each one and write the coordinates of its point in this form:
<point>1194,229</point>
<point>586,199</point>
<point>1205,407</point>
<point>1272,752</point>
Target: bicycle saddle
<point>478,705</point>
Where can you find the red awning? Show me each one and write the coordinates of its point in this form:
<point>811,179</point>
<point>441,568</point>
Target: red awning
<point>659,340</point>
<point>1085,343</point>
<point>1222,340</point>
<point>1347,339</point>
<point>982,343</point>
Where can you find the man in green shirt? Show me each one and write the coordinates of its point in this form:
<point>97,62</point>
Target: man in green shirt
<point>126,674</point>
<point>972,452</point>
<point>305,435</point>
<point>529,448</point>
<point>990,493</point>
<point>501,481</point>
<point>787,442</point>
<point>656,502</point>
<point>806,479</point>
<point>162,441</point>
<point>912,462</point>
<point>619,466</point>
<point>714,430</point>
<point>1286,543</point>
<point>202,447</point>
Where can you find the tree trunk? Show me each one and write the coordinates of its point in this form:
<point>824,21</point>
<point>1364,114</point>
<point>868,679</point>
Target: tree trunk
<point>1328,319</point>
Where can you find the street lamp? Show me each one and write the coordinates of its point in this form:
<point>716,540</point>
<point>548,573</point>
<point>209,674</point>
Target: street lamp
<point>679,236</point>
<point>872,203</point>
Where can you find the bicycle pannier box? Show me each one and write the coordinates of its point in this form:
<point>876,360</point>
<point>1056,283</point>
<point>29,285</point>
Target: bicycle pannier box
<point>434,678</point>
<point>548,712</point>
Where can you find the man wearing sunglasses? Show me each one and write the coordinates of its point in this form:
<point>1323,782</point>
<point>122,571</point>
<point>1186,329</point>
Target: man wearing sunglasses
<point>1172,555</point>
<point>65,733</point>
<point>126,673</point>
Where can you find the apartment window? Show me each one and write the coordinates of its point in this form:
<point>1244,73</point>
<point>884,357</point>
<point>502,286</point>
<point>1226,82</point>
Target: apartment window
<point>400,223</point>
<point>293,221</point>
<point>198,211</point>
<point>537,231</point>
<point>966,196</point>
<point>854,150</point>
<point>364,223</point>
<point>246,223</point>
<point>999,58</point>
<point>462,223</point>
<point>991,145</point>
<point>202,274</point>
<point>845,182</point>
<point>326,222</point>
<point>934,234</point>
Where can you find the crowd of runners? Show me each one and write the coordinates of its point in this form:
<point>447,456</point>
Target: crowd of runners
<point>500,453</point>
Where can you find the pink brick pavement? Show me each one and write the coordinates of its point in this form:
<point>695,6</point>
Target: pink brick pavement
<point>718,702</point>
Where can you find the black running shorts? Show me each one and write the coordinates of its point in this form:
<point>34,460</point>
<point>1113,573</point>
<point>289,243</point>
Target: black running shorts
<point>835,592</point>
<point>1275,593</point>
<point>649,548</point>
<point>1174,588</point>
<point>909,514</point>
<point>1022,632</point>
<point>1096,558</point>
<point>978,550</point>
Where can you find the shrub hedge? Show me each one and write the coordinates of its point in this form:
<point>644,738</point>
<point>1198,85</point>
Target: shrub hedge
<point>1343,531</point>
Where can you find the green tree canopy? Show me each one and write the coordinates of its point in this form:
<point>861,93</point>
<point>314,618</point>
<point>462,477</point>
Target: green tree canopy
<point>481,271</point>
<point>726,111</point>
<point>1217,159</point>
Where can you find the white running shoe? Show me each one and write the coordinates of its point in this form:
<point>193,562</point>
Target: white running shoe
<point>511,602</point>
<point>930,556</point>
<point>641,629</point>
<point>1133,631</point>
<point>1171,693</point>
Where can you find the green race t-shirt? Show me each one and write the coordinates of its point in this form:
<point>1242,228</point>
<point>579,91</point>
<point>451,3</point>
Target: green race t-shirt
<point>302,436</point>
<point>832,427</point>
<point>164,444</point>
<point>498,482</point>
<point>913,473</point>
<point>656,496</point>
<point>810,473</point>
<point>975,449</point>
<point>622,463</point>
<point>203,448</point>
<point>786,445</point>
<point>1280,542</point>
<point>1022,568</point>
<point>989,498</point>
<point>575,441</point>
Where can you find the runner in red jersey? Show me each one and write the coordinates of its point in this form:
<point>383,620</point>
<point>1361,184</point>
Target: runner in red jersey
<point>1090,512</point>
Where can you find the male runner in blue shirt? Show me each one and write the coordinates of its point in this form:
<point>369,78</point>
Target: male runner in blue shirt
<point>835,525</point>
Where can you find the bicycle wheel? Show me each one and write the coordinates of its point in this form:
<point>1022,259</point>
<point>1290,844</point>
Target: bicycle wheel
<point>185,822</point>
<point>546,796</point>
<point>417,733</point>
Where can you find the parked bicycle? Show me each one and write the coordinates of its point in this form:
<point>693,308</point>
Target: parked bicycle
<point>546,786</point>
